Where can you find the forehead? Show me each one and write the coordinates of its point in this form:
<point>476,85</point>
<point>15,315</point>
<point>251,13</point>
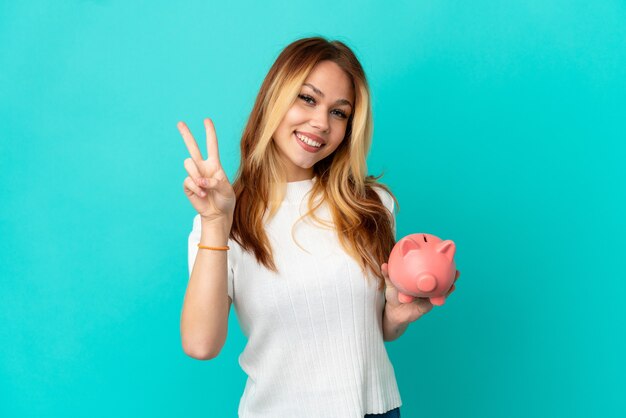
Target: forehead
<point>331,80</point>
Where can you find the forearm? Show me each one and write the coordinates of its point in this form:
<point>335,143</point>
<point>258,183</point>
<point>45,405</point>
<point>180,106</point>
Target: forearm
<point>204,318</point>
<point>391,329</point>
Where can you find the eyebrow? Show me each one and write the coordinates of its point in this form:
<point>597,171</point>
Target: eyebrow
<point>318,91</point>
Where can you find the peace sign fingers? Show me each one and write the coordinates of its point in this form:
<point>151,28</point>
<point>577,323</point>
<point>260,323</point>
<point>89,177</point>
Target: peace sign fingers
<point>207,185</point>
<point>211,142</point>
<point>191,144</point>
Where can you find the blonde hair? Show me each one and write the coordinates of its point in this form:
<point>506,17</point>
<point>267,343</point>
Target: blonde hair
<point>363,224</point>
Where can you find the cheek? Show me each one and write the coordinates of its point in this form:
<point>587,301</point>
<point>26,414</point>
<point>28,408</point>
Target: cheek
<point>339,130</point>
<point>337,142</point>
<point>294,116</point>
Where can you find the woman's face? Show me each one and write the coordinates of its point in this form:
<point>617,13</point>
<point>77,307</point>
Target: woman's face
<point>316,123</point>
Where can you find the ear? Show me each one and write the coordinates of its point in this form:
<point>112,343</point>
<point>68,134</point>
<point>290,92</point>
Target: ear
<point>447,248</point>
<point>408,245</point>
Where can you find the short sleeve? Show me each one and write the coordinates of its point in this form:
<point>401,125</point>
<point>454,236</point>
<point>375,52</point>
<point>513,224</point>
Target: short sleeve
<point>194,240</point>
<point>389,203</point>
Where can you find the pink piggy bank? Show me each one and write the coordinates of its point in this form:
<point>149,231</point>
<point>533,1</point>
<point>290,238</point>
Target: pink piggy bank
<point>422,265</point>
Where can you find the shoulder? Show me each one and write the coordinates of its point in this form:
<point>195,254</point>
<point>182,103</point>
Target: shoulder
<point>385,196</point>
<point>196,229</point>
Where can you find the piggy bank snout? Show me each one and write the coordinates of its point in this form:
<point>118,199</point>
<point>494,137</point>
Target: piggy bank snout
<point>426,283</point>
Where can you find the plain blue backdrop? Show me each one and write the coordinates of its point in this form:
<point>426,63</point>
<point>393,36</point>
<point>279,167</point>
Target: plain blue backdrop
<point>498,124</point>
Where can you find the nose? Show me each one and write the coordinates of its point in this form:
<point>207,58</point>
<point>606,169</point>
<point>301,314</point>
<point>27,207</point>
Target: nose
<point>320,120</point>
<point>426,283</point>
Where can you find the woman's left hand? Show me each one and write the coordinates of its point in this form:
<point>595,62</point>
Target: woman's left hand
<point>404,313</point>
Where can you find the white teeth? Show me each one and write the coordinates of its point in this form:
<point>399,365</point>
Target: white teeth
<point>308,141</point>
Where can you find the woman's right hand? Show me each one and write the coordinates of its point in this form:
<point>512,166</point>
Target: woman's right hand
<point>207,185</point>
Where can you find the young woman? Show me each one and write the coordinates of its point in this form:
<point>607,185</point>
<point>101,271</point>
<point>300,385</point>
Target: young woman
<point>298,243</point>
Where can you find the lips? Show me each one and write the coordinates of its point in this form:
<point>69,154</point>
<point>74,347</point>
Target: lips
<point>305,146</point>
<point>313,137</point>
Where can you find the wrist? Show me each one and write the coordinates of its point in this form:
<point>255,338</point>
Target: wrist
<point>394,320</point>
<point>392,329</point>
<point>215,233</point>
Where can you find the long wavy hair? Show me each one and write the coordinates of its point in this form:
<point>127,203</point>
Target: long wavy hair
<point>363,224</point>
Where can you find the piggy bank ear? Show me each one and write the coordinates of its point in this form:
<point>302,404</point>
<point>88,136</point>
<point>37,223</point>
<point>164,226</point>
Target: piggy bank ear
<point>408,245</point>
<point>447,248</point>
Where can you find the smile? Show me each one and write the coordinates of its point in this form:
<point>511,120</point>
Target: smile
<point>308,140</point>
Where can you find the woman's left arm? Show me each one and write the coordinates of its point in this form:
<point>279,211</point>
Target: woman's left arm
<point>397,316</point>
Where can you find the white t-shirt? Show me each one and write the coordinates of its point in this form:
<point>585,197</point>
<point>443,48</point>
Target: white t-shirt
<point>315,344</point>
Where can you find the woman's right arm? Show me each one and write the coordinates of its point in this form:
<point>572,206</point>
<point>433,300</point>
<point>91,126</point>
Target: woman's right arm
<point>204,317</point>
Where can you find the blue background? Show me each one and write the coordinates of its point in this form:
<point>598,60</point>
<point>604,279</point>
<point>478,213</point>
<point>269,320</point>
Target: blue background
<point>498,124</point>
